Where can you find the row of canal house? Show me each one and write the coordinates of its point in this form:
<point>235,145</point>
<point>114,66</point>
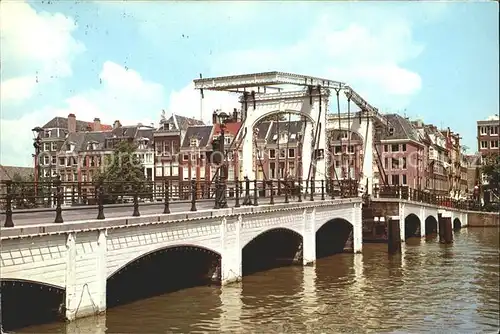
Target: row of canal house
<point>412,153</point>
<point>409,153</point>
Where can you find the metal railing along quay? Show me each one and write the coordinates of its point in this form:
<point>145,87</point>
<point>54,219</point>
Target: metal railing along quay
<point>417,195</point>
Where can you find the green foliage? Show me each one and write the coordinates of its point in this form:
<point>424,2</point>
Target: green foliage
<point>491,169</point>
<point>123,175</point>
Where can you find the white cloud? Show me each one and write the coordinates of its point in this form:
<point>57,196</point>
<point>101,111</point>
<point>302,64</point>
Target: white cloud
<point>123,95</point>
<point>36,48</point>
<point>188,102</point>
<point>370,59</point>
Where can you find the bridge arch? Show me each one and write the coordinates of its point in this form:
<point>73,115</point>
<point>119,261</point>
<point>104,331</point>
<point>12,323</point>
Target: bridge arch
<point>162,270</point>
<point>333,236</point>
<point>259,119</point>
<point>457,224</point>
<point>26,302</point>
<point>272,248</point>
<point>431,225</point>
<point>412,226</point>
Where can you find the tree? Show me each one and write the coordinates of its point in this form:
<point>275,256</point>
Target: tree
<point>491,171</point>
<point>123,175</point>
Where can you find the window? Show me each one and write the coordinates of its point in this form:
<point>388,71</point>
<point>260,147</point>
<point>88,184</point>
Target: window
<point>282,153</point>
<point>46,146</point>
<point>494,144</point>
<point>166,170</point>
<point>175,170</point>
<point>62,161</point>
<point>386,148</point>
<point>483,130</point>
<point>54,147</point>
<point>227,140</point>
<point>54,172</point>
<point>394,148</point>
<point>494,131</point>
<point>159,171</point>
<point>291,168</point>
<point>403,147</point>
<point>395,180</point>
<point>351,149</point>
<point>404,179</point>
<point>272,170</point>
<point>282,170</point>
<point>193,142</point>
<point>185,157</point>
<point>54,160</point>
<point>403,162</point>
<point>46,160</point>
<point>395,163</point>
<point>272,153</point>
<point>291,153</point>
<point>386,163</point>
<point>338,149</point>
<point>484,144</point>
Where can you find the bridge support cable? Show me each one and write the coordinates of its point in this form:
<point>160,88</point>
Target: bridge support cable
<point>287,165</point>
<point>259,158</point>
<point>315,142</point>
<point>348,138</point>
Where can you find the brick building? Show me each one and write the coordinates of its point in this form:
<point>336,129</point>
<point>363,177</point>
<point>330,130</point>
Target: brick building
<point>487,135</point>
<point>402,153</point>
<point>53,136</point>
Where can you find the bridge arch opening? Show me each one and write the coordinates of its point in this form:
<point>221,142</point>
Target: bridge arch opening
<point>335,236</point>
<point>274,248</point>
<point>164,270</point>
<point>457,224</point>
<point>26,303</point>
<point>431,225</point>
<point>412,226</point>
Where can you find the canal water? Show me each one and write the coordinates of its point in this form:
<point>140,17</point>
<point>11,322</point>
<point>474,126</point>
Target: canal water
<point>429,288</point>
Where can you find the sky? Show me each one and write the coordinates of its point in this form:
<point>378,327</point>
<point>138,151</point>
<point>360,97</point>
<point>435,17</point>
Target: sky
<point>129,60</point>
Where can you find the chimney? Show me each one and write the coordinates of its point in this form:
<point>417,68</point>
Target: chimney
<point>97,124</point>
<point>116,124</point>
<point>71,123</point>
<point>235,115</point>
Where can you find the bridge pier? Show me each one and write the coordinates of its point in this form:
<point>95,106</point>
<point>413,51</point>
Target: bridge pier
<point>394,234</point>
<point>445,228</point>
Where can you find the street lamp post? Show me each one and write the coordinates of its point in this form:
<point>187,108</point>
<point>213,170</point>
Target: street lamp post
<point>37,144</point>
<point>221,201</point>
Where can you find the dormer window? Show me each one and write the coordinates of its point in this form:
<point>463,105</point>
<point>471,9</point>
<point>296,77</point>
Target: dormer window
<point>283,136</point>
<point>70,147</point>
<point>92,146</point>
<point>193,142</point>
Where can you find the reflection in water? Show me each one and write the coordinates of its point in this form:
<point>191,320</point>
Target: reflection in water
<point>428,288</point>
<point>231,307</point>
<point>311,306</point>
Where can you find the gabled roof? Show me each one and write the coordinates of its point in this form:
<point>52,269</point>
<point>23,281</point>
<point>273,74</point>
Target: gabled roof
<point>231,128</point>
<point>202,132</point>
<point>263,129</point>
<point>292,128</point>
<point>62,123</point>
<point>8,172</point>
<point>182,123</point>
<point>403,129</point>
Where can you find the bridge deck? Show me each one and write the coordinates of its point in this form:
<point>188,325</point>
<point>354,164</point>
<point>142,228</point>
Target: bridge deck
<point>70,214</point>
